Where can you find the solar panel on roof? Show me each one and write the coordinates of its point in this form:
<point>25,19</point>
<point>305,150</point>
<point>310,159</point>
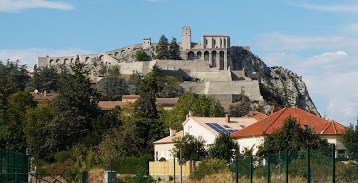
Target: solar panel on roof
<point>218,128</point>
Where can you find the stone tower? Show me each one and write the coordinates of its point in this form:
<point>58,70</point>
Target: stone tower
<point>186,38</point>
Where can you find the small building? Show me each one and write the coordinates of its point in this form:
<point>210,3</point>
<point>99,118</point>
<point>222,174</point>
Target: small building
<point>253,136</point>
<point>163,147</point>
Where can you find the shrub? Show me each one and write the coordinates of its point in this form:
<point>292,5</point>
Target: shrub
<point>162,159</point>
<point>129,165</point>
<point>349,173</point>
<point>209,166</point>
<point>62,156</point>
<point>141,176</point>
<point>171,178</point>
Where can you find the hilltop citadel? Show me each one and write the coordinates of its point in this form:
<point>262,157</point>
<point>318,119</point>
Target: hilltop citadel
<point>212,63</point>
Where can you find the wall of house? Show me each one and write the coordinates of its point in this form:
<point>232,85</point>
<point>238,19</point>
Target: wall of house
<point>163,150</point>
<point>337,140</point>
<point>193,128</point>
<point>251,142</point>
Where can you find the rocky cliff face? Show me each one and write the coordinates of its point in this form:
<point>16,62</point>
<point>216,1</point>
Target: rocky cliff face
<point>278,85</point>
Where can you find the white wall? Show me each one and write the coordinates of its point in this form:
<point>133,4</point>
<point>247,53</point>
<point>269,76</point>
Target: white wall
<point>250,142</point>
<point>163,150</point>
<point>193,128</point>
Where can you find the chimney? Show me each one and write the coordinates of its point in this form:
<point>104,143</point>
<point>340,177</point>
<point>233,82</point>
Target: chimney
<point>45,93</point>
<point>227,118</point>
<point>250,113</point>
<point>190,113</point>
<point>172,132</point>
<point>272,109</point>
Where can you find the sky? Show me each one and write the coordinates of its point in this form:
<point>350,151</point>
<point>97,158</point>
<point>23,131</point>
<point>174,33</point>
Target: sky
<point>317,39</point>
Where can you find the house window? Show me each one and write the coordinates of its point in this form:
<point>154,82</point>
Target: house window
<point>189,129</point>
<point>156,155</point>
<point>341,153</point>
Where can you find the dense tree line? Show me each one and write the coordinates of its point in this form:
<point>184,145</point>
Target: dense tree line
<point>72,121</point>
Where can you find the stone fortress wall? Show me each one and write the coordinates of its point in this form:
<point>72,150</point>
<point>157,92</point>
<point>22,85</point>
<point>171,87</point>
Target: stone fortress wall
<point>207,62</point>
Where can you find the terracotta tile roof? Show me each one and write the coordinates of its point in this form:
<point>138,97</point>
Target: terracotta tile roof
<point>169,139</point>
<point>41,96</point>
<point>257,115</point>
<point>166,101</point>
<point>276,120</point>
<point>130,97</point>
<point>236,123</point>
<point>109,105</point>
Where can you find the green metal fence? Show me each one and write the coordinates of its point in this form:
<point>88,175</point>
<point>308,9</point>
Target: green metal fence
<point>13,167</point>
<point>306,166</point>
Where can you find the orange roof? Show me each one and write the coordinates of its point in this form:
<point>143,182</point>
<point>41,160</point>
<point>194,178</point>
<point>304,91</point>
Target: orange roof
<point>130,97</point>
<point>276,121</point>
<point>166,101</point>
<point>109,105</point>
<point>170,139</point>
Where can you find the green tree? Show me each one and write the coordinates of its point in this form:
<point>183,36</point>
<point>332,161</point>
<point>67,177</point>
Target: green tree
<point>134,138</point>
<point>12,121</point>
<point>161,50</point>
<point>291,137</point>
<point>13,78</point>
<point>241,108</point>
<point>147,89</point>
<point>141,55</point>
<point>350,141</point>
<point>75,107</point>
<point>199,105</point>
<point>39,133</point>
<point>111,88</point>
<point>44,78</point>
<point>223,148</point>
<point>169,87</point>
<point>190,148</point>
<point>174,50</point>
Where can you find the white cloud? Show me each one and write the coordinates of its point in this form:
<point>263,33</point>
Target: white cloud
<point>18,5</point>
<point>29,56</point>
<point>328,65</point>
<point>348,7</point>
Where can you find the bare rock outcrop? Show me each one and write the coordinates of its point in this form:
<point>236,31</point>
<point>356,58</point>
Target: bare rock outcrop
<point>277,84</point>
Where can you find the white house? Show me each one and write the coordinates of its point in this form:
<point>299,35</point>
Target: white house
<point>206,127</point>
<point>253,135</point>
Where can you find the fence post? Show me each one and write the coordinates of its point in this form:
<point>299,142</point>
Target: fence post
<point>286,165</point>
<point>84,177</point>
<point>268,169</point>
<point>251,168</point>
<point>174,169</point>
<point>333,163</point>
<point>237,170</point>
<point>308,165</point>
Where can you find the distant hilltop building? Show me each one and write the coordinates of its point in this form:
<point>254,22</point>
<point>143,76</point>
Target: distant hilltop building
<point>212,64</point>
<point>214,49</point>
